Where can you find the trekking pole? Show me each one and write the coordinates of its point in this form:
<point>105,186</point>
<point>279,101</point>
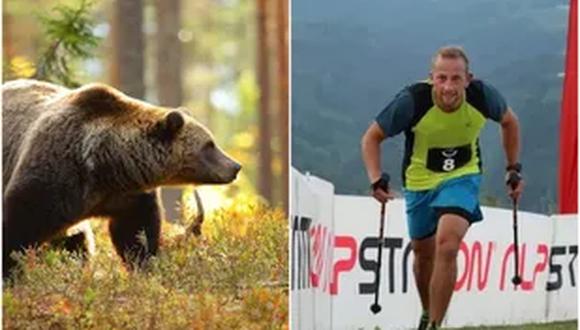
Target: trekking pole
<point>375,307</point>
<point>513,181</point>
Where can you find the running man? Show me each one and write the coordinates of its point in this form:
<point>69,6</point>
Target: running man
<point>442,119</point>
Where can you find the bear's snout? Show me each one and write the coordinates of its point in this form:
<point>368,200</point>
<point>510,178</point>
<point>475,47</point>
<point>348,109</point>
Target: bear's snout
<point>236,169</point>
<point>232,170</point>
<point>221,168</point>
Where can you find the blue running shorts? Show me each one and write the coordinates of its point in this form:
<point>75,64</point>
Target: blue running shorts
<point>457,196</point>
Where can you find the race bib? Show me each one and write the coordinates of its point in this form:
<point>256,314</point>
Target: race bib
<point>448,159</point>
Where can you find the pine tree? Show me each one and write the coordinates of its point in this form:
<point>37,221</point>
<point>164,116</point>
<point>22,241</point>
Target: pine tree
<point>70,38</point>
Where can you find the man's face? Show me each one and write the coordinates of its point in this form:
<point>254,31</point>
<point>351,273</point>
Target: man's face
<point>450,79</point>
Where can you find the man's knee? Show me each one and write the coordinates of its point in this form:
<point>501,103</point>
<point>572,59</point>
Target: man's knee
<point>452,228</point>
<point>447,247</point>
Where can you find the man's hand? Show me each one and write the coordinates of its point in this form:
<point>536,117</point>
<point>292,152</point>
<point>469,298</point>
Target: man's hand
<point>515,184</point>
<point>380,189</point>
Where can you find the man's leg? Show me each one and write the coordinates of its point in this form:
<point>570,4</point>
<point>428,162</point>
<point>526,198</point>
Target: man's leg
<point>422,225</point>
<point>424,252</point>
<point>450,233</point>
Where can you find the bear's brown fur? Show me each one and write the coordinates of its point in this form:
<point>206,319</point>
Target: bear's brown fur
<point>95,152</point>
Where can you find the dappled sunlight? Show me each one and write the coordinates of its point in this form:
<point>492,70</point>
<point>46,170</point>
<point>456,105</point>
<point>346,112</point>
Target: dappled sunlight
<point>212,197</point>
<point>221,206</point>
<point>21,67</point>
<point>244,139</point>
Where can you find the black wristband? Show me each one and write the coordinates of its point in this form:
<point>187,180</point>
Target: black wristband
<point>382,182</point>
<point>514,167</point>
<point>513,178</point>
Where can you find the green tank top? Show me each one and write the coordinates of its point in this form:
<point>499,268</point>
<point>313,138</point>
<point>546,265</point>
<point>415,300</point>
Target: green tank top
<point>440,146</point>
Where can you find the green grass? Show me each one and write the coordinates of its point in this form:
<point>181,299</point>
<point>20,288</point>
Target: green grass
<point>234,277</point>
<point>568,325</point>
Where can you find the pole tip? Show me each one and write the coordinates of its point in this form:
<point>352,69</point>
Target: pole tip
<point>516,280</point>
<point>375,308</point>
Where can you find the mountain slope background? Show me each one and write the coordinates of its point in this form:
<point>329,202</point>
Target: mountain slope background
<point>350,58</point>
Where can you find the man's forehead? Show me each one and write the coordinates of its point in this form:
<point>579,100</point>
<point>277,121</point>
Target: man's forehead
<point>449,65</point>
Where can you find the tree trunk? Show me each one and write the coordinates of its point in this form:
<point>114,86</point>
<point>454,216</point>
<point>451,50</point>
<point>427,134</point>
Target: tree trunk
<point>168,76</point>
<point>283,96</point>
<point>264,148</point>
<point>169,81</point>
<point>127,65</point>
<point>7,43</point>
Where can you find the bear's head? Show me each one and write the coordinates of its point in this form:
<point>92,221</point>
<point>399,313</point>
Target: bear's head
<point>197,158</point>
<point>132,144</point>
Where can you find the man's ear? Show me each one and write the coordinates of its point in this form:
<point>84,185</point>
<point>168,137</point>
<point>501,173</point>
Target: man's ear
<point>469,79</point>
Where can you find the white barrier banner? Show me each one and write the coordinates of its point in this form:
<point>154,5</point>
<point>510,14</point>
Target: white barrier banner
<point>312,237</point>
<point>563,270</point>
<point>356,228</point>
<point>483,293</point>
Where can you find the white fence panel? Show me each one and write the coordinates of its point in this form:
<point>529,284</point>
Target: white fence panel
<point>334,250</point>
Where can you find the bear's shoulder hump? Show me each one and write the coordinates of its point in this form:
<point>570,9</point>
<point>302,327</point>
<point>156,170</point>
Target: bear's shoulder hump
<point>97,97</point>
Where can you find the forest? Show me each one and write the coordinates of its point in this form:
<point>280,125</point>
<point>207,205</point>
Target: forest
<point>226,63</point>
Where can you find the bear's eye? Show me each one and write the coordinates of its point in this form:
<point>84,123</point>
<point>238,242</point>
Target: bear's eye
<point>209,145</point>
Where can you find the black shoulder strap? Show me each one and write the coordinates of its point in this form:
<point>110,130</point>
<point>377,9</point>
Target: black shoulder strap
<point>422,102</point>
<point>421,93</point>
<point>474,95</point>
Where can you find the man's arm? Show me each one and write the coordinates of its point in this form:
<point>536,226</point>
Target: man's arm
<point>392,120</point>
<point>510,130</point>
<point>371,154</point>
<point>371,151</point>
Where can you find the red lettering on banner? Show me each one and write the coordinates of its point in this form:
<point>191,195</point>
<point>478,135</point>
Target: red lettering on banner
<point>321,248</point>
<point>542,250</point>
<point>329,247</point>
<point>507,257</point>
<point>470,264</point>
<point>315,235</point>
<point>476,253</point>
<point>509,250</point>
<point>461,280</point>
<point>526,285</point>
<point>343,265</point>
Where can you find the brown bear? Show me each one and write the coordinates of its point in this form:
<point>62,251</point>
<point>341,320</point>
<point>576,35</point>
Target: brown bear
<point>94,152</point>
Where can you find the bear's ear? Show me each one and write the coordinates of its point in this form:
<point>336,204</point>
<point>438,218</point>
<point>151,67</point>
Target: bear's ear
<point>169,126</point>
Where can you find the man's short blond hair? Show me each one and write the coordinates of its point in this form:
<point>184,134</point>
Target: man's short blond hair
<point>451,52</point>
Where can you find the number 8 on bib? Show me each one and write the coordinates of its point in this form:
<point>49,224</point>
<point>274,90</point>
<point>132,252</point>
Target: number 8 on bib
<point>448,159</point>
